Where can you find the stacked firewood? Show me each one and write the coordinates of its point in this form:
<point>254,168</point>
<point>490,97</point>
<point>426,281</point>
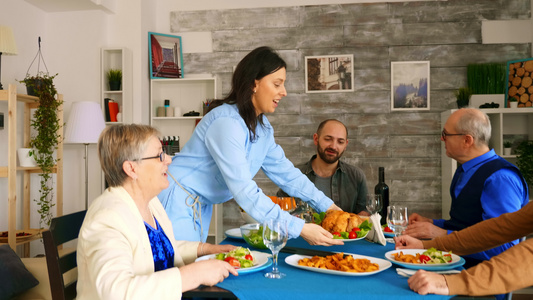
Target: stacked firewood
<point>521,82</point>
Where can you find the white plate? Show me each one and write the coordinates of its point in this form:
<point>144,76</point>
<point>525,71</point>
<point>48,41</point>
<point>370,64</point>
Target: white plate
<point>353,240</point>
<point>261,261</point>
<point>383,265</point>
<point>388,234</point>
<point>234,233</point>
<point>457,261</point>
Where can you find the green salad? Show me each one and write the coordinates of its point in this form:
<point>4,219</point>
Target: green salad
<point>238,258</point>
<point>434,256</point>
<point>255,238</point>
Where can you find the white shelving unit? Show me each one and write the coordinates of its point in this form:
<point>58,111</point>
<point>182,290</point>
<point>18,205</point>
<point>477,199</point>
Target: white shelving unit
<point>505,122</point>
<point>185,95</point>
<point>117,58</point>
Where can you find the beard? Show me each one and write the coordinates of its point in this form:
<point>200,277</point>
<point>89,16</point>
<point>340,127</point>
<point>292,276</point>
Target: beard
<point>328,158</point>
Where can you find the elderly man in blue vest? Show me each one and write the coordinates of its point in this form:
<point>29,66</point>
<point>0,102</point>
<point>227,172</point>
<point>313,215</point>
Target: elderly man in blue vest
<point>484,186</point>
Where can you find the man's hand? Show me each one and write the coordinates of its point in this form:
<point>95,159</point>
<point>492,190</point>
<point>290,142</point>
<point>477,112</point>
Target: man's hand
<point>424,230</point>
<point>316,235</point>
<point>407,242</point>
<point>428,283</point>
<point>414,217</point>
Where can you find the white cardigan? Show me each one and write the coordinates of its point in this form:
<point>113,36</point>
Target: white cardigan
<point>115,257</point>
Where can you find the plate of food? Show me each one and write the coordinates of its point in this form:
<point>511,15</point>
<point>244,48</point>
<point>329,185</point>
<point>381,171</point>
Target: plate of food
<point>234,233</point>
<point>244,260</point>
<point>430,259</point>
<point>344,226</point>
<point>387,231</point>
<point>339,264</point>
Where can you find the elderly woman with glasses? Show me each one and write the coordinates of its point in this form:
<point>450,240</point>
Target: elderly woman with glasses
<point>126,245</point>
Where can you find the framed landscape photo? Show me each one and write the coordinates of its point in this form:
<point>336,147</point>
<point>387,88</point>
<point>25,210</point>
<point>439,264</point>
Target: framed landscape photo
<point>410,85</point>
<point>329,73</point>
<point>166,58</point>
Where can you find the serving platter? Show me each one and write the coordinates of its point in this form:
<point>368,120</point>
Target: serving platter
<point>456,262</point>
<point>352,240</point>
<point>261,261</point>
<point>383,264</point>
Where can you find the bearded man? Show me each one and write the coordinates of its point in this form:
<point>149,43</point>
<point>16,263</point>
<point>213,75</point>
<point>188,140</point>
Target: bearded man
<point>343,183</point>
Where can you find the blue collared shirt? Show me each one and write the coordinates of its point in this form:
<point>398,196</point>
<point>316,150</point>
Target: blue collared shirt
<point>220,159</point>
<point>503,192</point>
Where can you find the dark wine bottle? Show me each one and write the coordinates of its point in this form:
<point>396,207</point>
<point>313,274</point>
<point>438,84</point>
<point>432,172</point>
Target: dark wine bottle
<point>383,190</point>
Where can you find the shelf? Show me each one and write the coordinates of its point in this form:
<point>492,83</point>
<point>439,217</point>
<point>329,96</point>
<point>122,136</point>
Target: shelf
<point>178,118</point>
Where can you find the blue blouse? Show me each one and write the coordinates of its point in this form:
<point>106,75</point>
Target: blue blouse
<point>162,249</point>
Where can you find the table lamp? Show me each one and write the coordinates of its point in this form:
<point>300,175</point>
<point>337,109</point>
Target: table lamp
<point>7,46</point>
<point>84,125</point>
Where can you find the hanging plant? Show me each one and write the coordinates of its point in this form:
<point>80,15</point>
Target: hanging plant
<point>46,123</point>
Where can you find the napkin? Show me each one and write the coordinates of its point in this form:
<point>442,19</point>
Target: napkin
<point>410,272</point>
<point>376,233</point>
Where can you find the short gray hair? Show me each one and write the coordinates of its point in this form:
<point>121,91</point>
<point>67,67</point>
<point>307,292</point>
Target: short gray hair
<point>475,123</point>
<point>119,143</point>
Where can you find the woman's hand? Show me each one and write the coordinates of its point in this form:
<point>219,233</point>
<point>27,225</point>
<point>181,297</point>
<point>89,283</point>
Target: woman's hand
<point>428,283</point>
<point>206,272</point>
<point>206,249</point>
<point>334,207</point>
<point>316,235</point>
<point>408,242</point>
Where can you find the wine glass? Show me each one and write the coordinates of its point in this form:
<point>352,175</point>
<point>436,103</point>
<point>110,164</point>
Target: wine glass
<point>397,218</point>
<point>275,237</point>
<point>374,204</point>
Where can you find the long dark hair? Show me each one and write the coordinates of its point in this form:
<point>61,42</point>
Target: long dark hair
<point>255,65</point>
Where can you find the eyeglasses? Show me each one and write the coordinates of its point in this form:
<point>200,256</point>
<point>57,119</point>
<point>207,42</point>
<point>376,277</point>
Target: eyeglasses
<point>161,157</point>
<point>444,134</point>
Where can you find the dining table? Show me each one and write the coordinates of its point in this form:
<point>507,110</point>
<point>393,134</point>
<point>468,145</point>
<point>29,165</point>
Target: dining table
<point>305,284</point>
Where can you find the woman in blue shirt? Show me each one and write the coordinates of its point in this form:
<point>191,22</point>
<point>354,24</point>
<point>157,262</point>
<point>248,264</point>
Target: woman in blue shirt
<point>229,146</point>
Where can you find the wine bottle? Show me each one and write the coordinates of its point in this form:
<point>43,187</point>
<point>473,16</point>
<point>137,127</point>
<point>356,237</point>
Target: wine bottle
<point>383,190</point>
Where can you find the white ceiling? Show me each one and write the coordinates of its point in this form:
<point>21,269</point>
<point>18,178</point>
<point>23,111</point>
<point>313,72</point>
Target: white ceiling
<point>74,5</point>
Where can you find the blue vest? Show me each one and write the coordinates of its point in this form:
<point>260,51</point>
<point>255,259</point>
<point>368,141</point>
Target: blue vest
<point>466,209</point>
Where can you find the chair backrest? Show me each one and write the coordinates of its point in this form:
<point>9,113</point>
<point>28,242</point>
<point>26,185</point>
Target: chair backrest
<point>62,229</point>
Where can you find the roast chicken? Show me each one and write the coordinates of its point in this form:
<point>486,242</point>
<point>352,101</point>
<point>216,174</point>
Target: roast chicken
<point>339,221</point>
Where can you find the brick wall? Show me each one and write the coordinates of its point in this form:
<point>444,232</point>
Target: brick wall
<point>407,144</point>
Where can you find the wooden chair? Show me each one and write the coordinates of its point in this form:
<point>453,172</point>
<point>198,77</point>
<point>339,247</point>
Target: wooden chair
<point>62,229</point>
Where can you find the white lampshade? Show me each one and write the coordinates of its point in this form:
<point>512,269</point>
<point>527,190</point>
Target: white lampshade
<point>7,41</point>
<point>85,123</point>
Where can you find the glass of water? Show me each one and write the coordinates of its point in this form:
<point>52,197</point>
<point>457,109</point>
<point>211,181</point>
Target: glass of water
<point>275,237</point>
<point>397,218</point>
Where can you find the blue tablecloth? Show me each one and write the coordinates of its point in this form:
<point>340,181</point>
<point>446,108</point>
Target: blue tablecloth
<point>302,284</point>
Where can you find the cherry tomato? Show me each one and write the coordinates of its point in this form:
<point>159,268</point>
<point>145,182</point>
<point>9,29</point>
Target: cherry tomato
<point>387,229</point>
<point>233,261</point>
<point>337,233</point>
<point>424,258</point>
<point>356,229</point>
<point>248,257</point>
<point>352,235</point>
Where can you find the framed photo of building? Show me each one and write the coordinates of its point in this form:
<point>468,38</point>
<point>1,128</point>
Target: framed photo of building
<point>409,85</point>
<point>166,58</point>
<point>329,73</point>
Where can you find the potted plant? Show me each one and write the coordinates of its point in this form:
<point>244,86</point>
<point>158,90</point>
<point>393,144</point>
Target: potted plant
<point>513,103</point>
<point>507,148</point>
<point>524,161</point>
<point>463,96</point>
<point>114,77</point>
<point>46,123</point>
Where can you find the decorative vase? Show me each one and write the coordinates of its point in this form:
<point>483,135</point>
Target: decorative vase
<point>114,85</point>
<point>513,104</point>
<point>506,151</point>
<point>25,160</point>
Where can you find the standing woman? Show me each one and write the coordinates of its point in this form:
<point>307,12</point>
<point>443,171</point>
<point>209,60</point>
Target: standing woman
<point>229,146</point>
<point>126,246</point>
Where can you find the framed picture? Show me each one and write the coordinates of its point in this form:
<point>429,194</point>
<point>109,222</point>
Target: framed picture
<point>166,58</point>
<point>519,83</point>
<point>410,85</point>
<point>329,73</point>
